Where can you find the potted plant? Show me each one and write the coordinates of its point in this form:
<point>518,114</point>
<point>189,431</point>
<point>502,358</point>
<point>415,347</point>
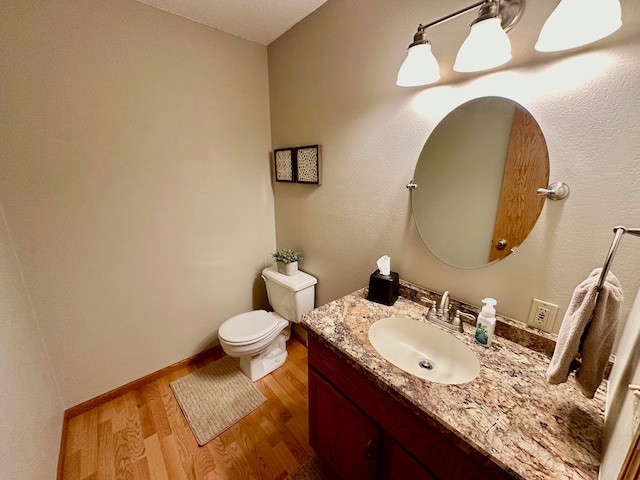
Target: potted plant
<point>287,260</point>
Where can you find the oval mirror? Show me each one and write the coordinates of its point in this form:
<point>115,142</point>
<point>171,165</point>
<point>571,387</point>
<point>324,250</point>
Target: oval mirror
<point>477,178</point>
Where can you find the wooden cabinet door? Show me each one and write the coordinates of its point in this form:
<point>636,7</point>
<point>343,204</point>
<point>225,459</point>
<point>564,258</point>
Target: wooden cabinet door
<point>398,464</point>
<point>340,433</point>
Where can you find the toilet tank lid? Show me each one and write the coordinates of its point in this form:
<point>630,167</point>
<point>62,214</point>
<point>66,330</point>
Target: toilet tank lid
<point>294,282</point>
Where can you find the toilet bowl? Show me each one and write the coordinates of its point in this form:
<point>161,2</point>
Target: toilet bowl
<point>258,338</point>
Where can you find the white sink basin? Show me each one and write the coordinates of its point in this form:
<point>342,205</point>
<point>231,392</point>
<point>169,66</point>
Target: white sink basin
<point>424,350</point>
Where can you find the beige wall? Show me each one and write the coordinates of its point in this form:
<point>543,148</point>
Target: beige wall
<point>136,182</point>
<point>332,81</point>
<point>31,407</point>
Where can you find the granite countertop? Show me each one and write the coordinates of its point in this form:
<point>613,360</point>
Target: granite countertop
<point>509,413</point>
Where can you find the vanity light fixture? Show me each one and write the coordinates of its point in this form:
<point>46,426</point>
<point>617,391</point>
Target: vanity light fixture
<point>487,45</point>
<point>420,67</point>
<point>579,22</point>
<point>572,24</point>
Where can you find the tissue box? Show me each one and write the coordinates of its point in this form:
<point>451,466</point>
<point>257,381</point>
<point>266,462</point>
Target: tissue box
<point>384,288</point>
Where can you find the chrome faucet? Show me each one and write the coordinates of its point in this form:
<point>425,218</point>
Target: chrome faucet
<point>443,311</point>
<point>441,315</point>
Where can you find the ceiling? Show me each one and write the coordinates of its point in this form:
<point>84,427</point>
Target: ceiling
<point>260,21</point>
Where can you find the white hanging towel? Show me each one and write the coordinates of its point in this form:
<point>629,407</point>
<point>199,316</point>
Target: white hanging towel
<point>587,333</point>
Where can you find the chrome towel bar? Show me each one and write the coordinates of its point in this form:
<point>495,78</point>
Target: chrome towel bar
<point>618,232</point>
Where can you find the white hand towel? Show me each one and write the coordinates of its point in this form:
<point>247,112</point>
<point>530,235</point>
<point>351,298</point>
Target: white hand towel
<point>588,331</point>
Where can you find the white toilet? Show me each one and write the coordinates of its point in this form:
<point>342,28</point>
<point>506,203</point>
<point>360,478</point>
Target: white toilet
<point>259,337</point>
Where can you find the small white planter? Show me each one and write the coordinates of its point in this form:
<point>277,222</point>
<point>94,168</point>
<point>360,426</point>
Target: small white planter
<point>287,268</point>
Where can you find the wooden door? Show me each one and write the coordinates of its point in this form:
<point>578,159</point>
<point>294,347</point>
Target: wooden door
<point>344,437</point>
<point>526,170</point>
<point>631,467</point>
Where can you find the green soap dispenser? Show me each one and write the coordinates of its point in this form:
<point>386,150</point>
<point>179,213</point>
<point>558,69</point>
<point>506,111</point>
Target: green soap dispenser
<point>486,323</point>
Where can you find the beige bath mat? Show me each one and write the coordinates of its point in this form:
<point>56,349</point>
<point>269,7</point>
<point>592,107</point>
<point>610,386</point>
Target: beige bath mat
<point>215,397</point>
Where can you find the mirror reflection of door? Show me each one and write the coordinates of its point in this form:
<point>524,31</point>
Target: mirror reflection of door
<point>524,172</point>
<point>477,176</point>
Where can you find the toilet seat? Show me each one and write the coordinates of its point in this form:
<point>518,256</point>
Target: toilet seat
<point>251,327</point>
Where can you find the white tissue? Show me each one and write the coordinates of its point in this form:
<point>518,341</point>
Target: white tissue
<point>384,264</point>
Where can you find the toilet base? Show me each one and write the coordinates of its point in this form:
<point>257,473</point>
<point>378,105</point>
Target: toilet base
<point>257,366</point>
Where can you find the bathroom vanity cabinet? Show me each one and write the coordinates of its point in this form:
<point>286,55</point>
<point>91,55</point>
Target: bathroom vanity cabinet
<point>507,423</point>
<point>363,433</point>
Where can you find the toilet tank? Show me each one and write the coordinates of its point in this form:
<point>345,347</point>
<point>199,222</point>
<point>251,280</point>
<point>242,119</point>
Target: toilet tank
<point>290,295</point>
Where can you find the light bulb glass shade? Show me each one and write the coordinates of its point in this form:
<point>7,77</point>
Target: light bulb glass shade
<point>419,68</point>
<point>487,46</point>
<point>579,22</point>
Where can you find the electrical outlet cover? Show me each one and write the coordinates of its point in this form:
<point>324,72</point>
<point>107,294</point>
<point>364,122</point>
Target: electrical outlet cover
<point>542,315</point>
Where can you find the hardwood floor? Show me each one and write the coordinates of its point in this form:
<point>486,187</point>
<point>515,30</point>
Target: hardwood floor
<point>144,435</point>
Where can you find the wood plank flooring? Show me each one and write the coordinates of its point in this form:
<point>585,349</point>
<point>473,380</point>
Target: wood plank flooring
<point>144,435</point>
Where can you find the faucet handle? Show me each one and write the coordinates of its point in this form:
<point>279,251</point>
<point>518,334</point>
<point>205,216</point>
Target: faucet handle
<point>432,311</point>
<point>457,321</point>
<point>427,300</point>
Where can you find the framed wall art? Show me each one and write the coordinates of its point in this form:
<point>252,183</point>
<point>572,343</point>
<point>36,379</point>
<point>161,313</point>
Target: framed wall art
<point>308,164</point>
<point>284,164</point>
